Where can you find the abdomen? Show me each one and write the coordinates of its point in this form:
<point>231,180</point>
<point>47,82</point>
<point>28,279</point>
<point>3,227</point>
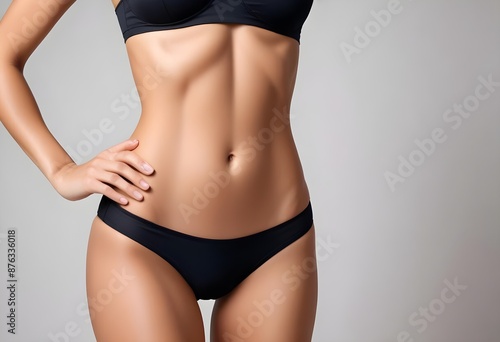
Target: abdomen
<point>215,126</point>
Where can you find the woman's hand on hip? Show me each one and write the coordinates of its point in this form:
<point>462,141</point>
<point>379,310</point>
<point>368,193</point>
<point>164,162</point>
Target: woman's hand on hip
<point>117,168</point>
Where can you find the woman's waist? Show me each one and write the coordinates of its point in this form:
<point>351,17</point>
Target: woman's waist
<point>196,144</point>
<point>202,192</point>
<point>221,206</point>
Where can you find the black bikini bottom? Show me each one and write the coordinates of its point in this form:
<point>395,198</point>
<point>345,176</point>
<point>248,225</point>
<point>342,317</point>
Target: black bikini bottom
<point>212,267</point>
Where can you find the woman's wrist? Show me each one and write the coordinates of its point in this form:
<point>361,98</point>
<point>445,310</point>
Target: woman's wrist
<point>56,171</point>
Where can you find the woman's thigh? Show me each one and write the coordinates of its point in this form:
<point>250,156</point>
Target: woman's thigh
<point>135,295</point>
<point>277,302</point>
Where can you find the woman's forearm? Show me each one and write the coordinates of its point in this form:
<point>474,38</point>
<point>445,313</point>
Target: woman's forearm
<point>19,112</point>
<point>20,115</point>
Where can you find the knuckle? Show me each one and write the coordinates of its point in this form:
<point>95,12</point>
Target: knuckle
<point>96,163</point>
<point>113,178</point>
<point>121,167</point>
<point>91,170</point>
<point>104,154</point>
<point>106,190</point>
<point>118,155</point>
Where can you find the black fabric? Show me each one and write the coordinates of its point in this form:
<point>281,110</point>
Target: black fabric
<point>285,17</point>
<point>212,267</point>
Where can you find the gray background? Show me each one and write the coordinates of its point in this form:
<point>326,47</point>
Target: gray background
<point>391,251</point>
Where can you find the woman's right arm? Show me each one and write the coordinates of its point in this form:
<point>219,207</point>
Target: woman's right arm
<point>109,171</point>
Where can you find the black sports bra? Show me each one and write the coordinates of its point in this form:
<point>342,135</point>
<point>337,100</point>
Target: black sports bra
<point>285,17</point>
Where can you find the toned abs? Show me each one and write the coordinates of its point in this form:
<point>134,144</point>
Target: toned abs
<point>215,125</point>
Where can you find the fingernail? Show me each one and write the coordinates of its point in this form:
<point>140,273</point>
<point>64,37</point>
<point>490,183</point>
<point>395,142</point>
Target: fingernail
<point>123,200</point>
<point>137,195</point>
<point>144,184</point>
<point>135,141</point>
<point>147,167</point>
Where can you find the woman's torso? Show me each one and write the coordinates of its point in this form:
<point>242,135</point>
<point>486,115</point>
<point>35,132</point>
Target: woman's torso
<point>215,127</point>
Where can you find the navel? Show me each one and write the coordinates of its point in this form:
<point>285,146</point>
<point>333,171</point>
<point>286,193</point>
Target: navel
<point>233,164</point>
